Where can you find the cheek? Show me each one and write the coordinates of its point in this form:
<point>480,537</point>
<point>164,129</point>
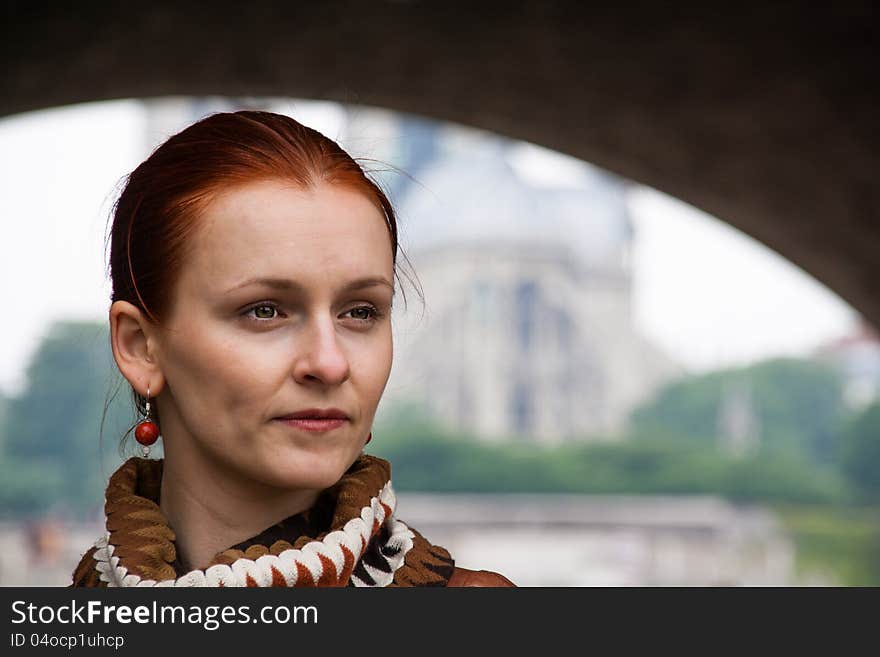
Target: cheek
<point>213,373</point>
<point>375,367</point>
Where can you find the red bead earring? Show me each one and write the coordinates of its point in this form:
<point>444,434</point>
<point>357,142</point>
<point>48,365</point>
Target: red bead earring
<point>147,431</point>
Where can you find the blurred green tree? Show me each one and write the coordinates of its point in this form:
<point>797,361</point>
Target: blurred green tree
<point>54,453</point>
<point>427,457</point>
<point>797,404</point>
<point>860,453</point>
<point>4,411</point>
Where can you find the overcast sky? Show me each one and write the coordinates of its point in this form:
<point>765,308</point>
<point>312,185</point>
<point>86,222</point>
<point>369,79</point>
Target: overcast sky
<point>704,292</point>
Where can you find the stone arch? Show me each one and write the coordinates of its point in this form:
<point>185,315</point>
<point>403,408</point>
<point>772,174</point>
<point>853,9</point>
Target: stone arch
<point>764,117</point>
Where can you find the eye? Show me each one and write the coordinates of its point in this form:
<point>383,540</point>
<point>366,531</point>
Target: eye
<point>263,311</point>
<point>365,314</point>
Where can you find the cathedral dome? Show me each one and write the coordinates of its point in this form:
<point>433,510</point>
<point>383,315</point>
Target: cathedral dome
<point>490,190</point>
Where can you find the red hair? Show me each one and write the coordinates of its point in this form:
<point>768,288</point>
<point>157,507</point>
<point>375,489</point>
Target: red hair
<point>159,208</point>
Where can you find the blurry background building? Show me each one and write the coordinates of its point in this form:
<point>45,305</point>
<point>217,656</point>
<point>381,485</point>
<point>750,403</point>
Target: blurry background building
<point>527,331</point>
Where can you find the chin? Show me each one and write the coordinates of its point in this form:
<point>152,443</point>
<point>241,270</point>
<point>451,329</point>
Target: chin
<point>308,471</point>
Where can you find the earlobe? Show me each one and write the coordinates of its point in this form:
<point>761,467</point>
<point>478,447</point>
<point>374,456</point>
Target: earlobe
<point>132,339</point>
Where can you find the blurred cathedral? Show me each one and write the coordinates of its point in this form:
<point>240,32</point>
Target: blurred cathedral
<point>526,332</point>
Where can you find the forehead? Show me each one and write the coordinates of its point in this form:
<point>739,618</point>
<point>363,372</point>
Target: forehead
<point>326,234</point>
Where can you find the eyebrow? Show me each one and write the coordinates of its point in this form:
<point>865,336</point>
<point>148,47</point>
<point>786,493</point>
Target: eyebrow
<point>286,284</point>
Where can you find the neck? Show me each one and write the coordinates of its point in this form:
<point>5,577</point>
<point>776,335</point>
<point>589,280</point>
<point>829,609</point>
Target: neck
<point>211,510</point>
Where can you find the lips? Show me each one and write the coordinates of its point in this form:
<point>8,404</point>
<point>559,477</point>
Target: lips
<point>316,414</point>
<point>316,420</point>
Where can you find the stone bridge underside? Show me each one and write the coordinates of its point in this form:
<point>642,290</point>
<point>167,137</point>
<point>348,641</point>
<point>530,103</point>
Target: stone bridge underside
<point>764,117</point>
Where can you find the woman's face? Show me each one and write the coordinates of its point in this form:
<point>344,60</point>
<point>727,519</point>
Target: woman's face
<point>282,306</point>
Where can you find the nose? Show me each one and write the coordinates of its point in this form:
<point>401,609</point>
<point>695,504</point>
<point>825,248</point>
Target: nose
<point>320,357</point>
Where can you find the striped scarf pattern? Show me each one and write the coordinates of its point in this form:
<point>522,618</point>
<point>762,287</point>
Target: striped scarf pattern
<point>361,544</point>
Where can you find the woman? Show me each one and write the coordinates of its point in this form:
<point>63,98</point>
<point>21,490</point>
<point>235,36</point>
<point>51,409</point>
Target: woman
<point>253,267</point>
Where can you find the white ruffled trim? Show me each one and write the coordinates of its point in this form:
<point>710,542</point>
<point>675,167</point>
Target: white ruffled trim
<point>354,535</point>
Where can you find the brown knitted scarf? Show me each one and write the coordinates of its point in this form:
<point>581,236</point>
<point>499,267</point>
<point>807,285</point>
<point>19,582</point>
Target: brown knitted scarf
<point>350,537</point>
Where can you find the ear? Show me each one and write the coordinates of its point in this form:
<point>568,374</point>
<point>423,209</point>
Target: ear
<point>134,342</point>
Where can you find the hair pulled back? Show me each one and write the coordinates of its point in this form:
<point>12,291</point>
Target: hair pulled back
<point>157,213</point>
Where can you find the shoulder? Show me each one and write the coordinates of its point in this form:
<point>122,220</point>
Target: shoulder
<point>466,577</point>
